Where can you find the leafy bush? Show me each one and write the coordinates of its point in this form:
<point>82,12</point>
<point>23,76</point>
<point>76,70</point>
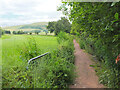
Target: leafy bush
<point>62,37</point>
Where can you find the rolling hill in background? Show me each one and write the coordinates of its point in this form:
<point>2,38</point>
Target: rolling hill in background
<point>28,27</point>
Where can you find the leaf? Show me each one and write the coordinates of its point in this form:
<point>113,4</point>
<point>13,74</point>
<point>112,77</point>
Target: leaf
<point>65,75</point>
<point>113,3</point>
<point>113,21</point>
<point>92,66</point>
<point>116,16</point>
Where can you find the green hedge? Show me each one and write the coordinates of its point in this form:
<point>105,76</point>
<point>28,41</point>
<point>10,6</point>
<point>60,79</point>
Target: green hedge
<point>97,26</point>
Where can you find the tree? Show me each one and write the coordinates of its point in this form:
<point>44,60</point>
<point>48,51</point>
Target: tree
<point>20,32</point>
<point>14,32</point>
<point>61,25</point>
<point>30,33</point>
<point>26,32</point>
<point>51,26</point>
<point>46,31</point>
<point>7,32</point>
<point>3,32</point>
<point>37,32</point>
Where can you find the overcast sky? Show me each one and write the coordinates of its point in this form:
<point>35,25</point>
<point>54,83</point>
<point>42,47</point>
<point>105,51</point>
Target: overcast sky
<point>16,12</point>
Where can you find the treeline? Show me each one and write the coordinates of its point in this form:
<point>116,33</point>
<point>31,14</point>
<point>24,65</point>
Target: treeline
<point>97,27</point>
<point>2,32</point>
<point>61,25</point>
<point>30,32</point>
<point>14,32</point>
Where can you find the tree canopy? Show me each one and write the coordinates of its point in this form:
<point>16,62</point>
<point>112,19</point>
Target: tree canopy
<point>61,25</point>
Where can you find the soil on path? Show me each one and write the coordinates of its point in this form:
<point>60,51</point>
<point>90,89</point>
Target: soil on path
<point>86,76</point>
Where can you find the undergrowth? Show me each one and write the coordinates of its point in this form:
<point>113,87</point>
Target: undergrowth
<point>55,70</point>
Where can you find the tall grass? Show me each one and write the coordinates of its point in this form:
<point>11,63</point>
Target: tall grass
<point>54,70</point>
<point>13,65</point>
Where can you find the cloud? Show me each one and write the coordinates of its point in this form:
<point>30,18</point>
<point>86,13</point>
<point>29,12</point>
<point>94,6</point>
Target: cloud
<point>15,12</point>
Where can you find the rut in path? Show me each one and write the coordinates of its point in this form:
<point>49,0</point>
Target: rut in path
<point>86,76</point>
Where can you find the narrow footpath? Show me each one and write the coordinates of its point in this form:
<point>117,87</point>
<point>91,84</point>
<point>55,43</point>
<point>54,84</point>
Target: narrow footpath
<point>86,76</point>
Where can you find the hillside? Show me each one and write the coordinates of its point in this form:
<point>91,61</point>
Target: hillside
<point>28,27</point>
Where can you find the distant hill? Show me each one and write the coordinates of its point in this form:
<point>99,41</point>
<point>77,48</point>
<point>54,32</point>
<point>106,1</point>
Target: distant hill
<point>28,27</point>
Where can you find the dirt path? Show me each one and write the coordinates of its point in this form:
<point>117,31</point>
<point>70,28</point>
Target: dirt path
<point>87,77</point>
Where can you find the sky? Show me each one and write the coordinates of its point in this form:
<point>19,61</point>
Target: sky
<point>18,12</point>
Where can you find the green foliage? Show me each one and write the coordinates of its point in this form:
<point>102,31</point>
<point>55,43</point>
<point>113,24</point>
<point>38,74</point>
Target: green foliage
<point>2,32</point>
<point>13,66</point>
<point>7,32</point>
<point>107,75</point>
<point>61,25</point>
<point>18,32</point>
<point>30,50</point>
<point>30,33</point>
<point>46,31</point>
<point>62,37</point>
<point>37,31</point>
<point>51,26</point>
<point>98,28</point>
<point>57,68</point>
<point>54,70</point>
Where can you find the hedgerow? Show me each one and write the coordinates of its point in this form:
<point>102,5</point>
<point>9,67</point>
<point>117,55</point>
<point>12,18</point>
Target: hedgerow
<point>97,27</point>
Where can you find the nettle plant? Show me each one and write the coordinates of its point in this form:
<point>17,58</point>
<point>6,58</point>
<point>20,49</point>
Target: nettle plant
<point>30,50</point>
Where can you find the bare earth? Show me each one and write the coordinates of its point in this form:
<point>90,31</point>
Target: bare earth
<point>86,76</point>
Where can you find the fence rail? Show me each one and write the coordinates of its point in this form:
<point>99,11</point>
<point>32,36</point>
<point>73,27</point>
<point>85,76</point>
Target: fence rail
<point>37,57</point>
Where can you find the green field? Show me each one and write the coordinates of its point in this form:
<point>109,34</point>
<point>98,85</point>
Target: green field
<point>11,52</point>
<point>50,71</point>
<point>12,45</point>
